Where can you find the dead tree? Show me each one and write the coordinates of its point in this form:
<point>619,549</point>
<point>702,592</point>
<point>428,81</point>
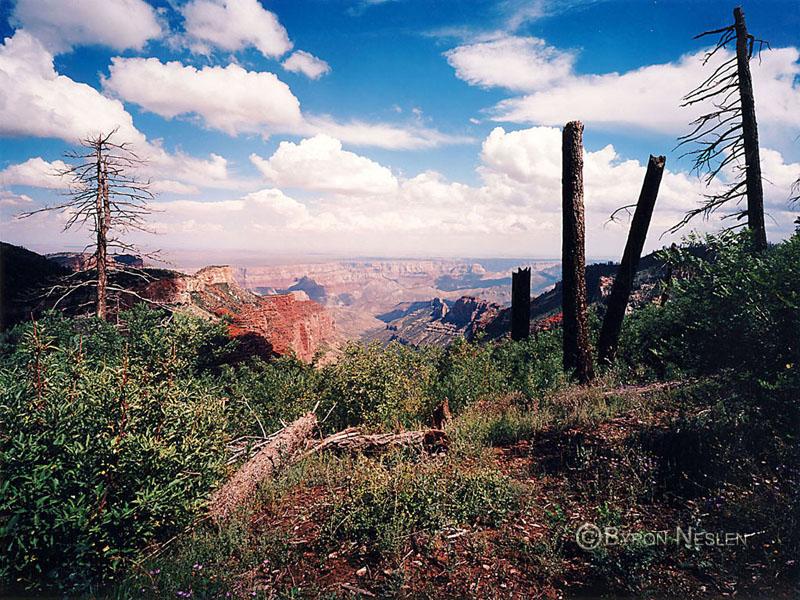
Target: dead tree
<point>521,304</point>
<point>623,282</point>
<point>105,195</point>
<point>577,354</point>
<point>232,497</point>
<point>727,136</point>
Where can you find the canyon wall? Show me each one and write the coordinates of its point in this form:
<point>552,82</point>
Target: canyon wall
<point>265,325</point>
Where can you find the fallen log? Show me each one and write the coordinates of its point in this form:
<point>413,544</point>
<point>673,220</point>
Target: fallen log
<point>241,488</point>
<point>352,440</point>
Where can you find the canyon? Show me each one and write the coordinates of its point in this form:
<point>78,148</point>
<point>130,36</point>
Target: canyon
<point>359,294</point>
<point>264,325</point>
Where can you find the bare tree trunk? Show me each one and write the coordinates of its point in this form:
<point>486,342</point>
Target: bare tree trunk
<point>521,304</point>
<point>755,192</point>
<point>623,282</point>
<point>352,440</point>
<point>101,262</point>
<point>232,497</point>
<point>577,354</point>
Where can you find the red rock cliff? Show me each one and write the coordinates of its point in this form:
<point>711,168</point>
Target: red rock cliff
<point>266,325</point>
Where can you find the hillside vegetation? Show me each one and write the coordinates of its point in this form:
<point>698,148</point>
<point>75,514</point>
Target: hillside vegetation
<point>113,439</point>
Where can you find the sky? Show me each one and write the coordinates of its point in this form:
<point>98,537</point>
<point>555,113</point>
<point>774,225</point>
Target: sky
<point>295,129</point>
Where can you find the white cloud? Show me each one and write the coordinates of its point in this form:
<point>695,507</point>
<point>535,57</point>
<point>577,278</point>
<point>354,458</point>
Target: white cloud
<point>173,187</point>
<point>278,208</point>
<point>516,63</point>
<point>234,25</point>
<point>380,135</point>
<point>234,100</point>
<point>230,98</point>
<point>319,163</point>
<point>650,97</point>
<point>515,210</point>
<point>36,172</point>
<point>36,101</point>
<point>307,64</point>
<point>15,201</point>
<point>62,24</point>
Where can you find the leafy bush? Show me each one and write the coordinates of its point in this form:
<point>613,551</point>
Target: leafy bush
<point>386,502</point>
<point>734,312</point>
<point>263,394</point>
<point>472,371</point>
<point>379,387</point>
<point>109,443</point>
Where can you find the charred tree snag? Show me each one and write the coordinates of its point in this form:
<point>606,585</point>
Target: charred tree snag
<point>521,304</point>
<point>577,354</point>
<point>442,415</point>
<point>623,282</point>
<point>752,160</point>
<point>727,136</point>
<point>241,488</point>
<point>105,195</point>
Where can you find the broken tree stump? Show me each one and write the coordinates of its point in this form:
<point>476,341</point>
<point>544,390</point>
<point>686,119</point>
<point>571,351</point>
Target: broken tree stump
<point>241,488</point>
<point>577,354</point>
<point>521,304</point>
<point>623,282</point>
<point>442,414</point>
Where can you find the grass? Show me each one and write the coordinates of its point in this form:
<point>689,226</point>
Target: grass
<point>502,507</point>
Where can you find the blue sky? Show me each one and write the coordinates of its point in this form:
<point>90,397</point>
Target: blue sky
<point>364,127</point>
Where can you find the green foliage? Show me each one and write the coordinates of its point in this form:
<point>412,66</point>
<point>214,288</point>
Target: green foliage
<point>380,387</point>
<point>386,502</point>
<point>105,446</point>
<point>200,566</point>
<point>472,371</point>
<point>265,394</point>
<point>732,312</point>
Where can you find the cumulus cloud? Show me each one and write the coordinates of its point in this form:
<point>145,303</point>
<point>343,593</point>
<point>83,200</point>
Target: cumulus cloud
<point>35,100</point>
<point>173,187</point>
<point>234,100</point>
<point>515,63</point>
<point>234,25</point>
<point>62,24</point>
<point>515,209</point>
<point>229,98</point>
<point>650,97</point>
<point>36,172</point>
<point>307,64</point>
<point>278,209</point>
<point>381,135</point>
<point>9,199</point>
<point>320,163</point>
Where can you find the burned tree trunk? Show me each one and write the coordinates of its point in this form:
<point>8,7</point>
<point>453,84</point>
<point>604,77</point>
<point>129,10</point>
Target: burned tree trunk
<point>577,354</point>
<point>101,254</point>
<point>521,304</point>
<point>232,497</point>
<point>623,282</point>
<point>753,185</point>
<point>353,440</point>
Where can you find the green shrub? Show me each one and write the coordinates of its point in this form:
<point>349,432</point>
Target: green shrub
<point>382,388</point>
<point>733,312</point>
<point>265,394</point>
<point>467,374</point>
<point>386,502</point>
<point>105,447</point>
